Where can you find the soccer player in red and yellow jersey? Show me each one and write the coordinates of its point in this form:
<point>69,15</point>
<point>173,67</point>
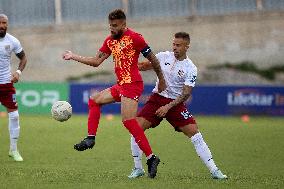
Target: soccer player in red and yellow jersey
<point>124,45</point>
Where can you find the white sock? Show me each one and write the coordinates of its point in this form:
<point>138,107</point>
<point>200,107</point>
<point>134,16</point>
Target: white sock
<point>136,153</point>
<point>14,129</point>
<point>203,152</point>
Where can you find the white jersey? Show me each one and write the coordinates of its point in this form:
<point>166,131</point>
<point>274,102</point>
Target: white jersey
<point>8,44</point>
<point>176,73</point>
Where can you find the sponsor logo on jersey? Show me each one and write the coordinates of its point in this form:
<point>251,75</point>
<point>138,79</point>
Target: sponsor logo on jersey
<point>180,73</point>
<point>136,98</point>
<point>7,47</point>
<point>193,79</point>
<point>122,44</point>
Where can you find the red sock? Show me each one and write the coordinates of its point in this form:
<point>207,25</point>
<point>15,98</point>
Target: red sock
<point>94,117</point>
<point>139,135</point>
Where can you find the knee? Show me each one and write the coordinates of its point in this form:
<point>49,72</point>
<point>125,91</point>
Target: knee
<point>142,123</point>
<point>125,117</point>
<point>189,130</point>
<point>97,98</point>
<point>194,132</point>
<point>94,101</point>
<point>194,128</point>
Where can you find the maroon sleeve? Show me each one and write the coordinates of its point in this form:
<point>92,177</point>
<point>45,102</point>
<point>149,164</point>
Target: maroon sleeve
<point>139,42</point>
<point>105,48</point>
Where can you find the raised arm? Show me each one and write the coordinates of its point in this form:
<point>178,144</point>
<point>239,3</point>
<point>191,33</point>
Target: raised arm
<point>21,67</point>
<point>157,68</point>
<point>91,61</point>
<point>186,93</point>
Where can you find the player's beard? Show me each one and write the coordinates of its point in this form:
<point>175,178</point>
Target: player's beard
<point>2,33</point>
<point>117,35</point>
<point>176,55</point>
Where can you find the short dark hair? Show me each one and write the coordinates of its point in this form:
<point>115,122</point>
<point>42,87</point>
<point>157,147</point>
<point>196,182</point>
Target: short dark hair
<point>183,35</point>
<point>117,14</point>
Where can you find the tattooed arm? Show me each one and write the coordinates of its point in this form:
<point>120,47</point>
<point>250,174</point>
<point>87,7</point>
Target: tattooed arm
<point>157,68</point>
<point>23,61</point>
<point>91,61</point>
<point>186,93</point>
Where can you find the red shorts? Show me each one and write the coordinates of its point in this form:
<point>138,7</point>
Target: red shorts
<point>178,116</point>
<point>8,96</point>
<point>129,90</point>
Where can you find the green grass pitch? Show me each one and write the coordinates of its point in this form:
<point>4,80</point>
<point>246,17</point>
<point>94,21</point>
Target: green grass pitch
<point>250,153</point>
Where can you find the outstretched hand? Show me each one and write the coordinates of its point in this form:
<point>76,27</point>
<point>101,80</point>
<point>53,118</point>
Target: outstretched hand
<point>67,55</point>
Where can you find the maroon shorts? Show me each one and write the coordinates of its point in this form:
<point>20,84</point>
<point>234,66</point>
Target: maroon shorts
<point>178,116</point>
<point>129,90</point>
<point>8,96</point>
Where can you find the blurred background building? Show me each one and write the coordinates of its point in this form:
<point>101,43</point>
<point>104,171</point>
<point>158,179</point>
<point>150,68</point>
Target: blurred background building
<point>235,32</point>
<point>233,43</point>
<point>49,12</point>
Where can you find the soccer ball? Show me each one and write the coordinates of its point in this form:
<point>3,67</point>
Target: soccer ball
<point>61,111</point>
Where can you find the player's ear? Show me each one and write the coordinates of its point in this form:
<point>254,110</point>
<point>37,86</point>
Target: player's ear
<point>187,46</point>
<point>124,23</point>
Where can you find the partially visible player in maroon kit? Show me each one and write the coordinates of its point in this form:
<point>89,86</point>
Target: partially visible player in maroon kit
<point>8,45</point>
<point>125,45</point>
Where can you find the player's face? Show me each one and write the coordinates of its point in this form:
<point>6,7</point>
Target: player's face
<point>117,28</point>
<point>180,47</point>
<point>3,26</point>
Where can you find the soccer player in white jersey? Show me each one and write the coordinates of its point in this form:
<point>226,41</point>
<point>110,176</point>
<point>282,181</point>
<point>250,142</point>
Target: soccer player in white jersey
<point>9,44</point>
<point>180,75</point>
